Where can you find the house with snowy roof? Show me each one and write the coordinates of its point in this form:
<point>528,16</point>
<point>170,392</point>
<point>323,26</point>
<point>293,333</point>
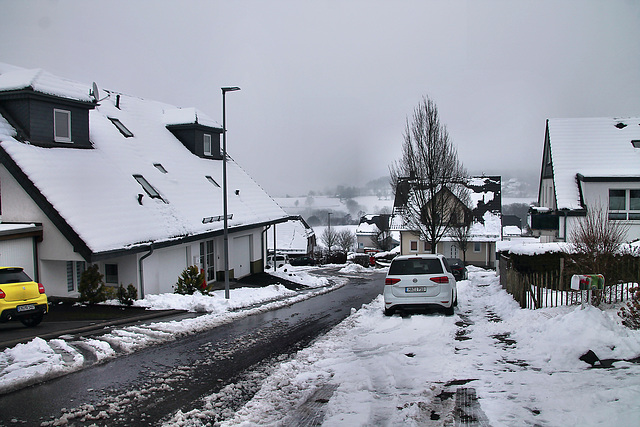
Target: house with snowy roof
<point>484,214</point>
<point>588,163</point>
<point>294,238</point>
<point>129,184</point>
<point>374,231</point>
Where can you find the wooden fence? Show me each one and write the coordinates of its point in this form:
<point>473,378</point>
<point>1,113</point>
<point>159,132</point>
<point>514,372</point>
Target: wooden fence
<point>552,287</point>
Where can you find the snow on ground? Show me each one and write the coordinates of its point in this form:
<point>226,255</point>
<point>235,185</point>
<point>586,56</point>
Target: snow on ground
<point>524,365</point>
<point>378,370</point>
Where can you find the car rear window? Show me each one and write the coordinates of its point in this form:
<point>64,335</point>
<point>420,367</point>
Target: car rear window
<point>13,275</point>
<point>403,267</point>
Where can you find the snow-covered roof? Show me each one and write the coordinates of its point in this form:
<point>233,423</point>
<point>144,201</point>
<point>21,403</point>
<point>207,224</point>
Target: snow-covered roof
<point>42,82</point>
<point>95,192</point>
<point>373,224</point>
<point>511,230</point>
<point>292,237</point>
<point>592,147</point>
<point>190,115</point>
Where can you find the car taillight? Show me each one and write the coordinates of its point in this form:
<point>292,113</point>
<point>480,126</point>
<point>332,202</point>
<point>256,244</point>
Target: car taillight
<point>391,281</point>
<point>440,279</point>
<point>2,294</point>
<point>41,288</point>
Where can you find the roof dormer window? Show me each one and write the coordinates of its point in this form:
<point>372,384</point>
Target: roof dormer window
<point>122,128</point>
<point>635,143</point>
<point>207,144</point>
<point>61,125</point>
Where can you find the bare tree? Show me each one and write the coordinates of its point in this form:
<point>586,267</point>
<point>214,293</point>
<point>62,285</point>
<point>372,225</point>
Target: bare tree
<point>436,178</point>
<point>596,234</point>
<point>345,240</point>
<point>595,241</point>
<point>329,238</point>
<point>461,235</point>
<point>382,240</point>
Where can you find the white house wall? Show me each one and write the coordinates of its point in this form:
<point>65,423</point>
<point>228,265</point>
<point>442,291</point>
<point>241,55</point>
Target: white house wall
<point>18,206</point>
<point>597,193</point>
<point>162,268</point>
<point>547,194</point>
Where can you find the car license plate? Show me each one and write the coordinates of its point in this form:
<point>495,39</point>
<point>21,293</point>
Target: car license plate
<point>414,289</point>
<point>27,307</point>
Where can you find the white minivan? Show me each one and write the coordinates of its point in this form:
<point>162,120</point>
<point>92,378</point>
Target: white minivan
<point>416,281</point>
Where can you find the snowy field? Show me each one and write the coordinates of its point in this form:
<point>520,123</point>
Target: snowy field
<point>377,370</point>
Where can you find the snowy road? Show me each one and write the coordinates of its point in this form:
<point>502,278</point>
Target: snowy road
<point>231,361</point>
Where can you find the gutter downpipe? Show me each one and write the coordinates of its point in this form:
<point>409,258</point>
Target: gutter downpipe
<point>141,269</point>
<point>264,245</point>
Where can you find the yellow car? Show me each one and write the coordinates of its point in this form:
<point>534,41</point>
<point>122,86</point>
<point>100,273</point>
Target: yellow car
<point>21,298</point>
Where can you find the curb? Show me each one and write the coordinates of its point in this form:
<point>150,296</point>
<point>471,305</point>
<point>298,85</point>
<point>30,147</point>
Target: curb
<point>93,327</point>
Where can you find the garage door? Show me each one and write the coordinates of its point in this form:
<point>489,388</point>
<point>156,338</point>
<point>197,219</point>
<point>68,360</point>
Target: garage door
<point>242,256</point>
<point>18,253</point>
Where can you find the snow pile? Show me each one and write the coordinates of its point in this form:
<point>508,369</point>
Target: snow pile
<point>355,268</point>
<point>524,365</point>
<point>216,303</point>
<point>531,247</point>
<point>301,276</point>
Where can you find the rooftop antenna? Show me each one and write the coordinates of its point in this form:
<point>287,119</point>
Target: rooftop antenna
<point>95,93</point>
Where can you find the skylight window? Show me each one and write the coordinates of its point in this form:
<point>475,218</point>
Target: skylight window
<point>122,128</point>
<point>635,143</point>
<point>160,167</point>
<point>213,181</point>
<point>152,192</point>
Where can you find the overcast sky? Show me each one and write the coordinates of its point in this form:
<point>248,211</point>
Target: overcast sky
<point>327,86</point>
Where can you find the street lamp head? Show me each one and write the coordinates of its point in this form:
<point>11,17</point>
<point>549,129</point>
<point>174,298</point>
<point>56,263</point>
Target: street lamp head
<point>229,89</point>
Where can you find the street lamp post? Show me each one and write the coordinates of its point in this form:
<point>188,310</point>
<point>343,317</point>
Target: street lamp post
<point>329,235</point>
<point>224,189</point>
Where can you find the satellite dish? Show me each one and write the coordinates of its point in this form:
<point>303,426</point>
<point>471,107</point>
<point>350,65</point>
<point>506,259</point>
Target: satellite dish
<point>95,93</point>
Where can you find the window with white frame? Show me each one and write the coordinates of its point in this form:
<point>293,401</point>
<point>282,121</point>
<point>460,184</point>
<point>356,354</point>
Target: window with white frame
<point>477,247</point>
<point>207,145</point>
<point>624,204</point>
<point>207,259</point>
<point>61,125</point>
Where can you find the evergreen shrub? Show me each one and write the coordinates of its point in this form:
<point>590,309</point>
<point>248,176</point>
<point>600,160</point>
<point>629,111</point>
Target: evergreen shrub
<point>92,289</point>
<point>127,295</point>
<point>190,281</point>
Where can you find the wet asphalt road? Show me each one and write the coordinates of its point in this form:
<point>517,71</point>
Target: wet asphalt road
<point>148,386</point>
